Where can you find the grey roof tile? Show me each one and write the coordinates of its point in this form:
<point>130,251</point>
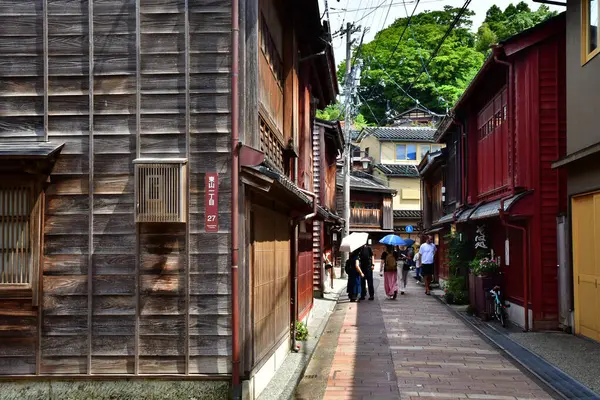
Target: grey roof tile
<point>365,182</point>
<point>401,133</point>
<point>398,170</point>
<point>414,214</point>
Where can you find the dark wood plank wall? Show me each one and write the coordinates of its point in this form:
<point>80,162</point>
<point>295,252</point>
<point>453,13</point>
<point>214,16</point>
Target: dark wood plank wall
<point>120,299</point>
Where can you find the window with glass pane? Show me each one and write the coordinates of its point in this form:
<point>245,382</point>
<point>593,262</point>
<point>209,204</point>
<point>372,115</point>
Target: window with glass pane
<point>15,206</point>
<point>589,29</point>
<point>436,147</point>
<point>425,148</point>
<point>400,152</point>
<point>411,152</point>
<point>592,25</point>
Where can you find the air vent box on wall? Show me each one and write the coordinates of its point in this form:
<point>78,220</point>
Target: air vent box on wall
<point>161,189</point>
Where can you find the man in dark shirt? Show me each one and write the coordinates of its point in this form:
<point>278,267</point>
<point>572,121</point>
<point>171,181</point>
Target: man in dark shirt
<point>367,264</point>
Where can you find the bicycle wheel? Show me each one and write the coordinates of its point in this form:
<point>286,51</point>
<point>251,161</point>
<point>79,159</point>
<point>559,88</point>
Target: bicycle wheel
<point>500,315</point>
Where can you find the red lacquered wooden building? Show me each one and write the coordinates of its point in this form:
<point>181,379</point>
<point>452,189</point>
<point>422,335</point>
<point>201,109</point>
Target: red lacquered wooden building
<point>512,120</point>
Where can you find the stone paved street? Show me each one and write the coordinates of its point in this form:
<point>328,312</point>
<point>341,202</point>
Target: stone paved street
<point>411,348</point>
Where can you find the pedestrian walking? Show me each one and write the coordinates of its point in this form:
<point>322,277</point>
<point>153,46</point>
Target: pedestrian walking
<point>355,275</point>
<point>328,267</point>
<point>382,262</point>
<point>417,261</point>
<point>391,274</point>
<point>408,262</point>
<point>427,251</point>
<point>367,265</point>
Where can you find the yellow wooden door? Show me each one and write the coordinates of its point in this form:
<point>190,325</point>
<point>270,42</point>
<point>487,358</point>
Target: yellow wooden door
<point>586,264</point>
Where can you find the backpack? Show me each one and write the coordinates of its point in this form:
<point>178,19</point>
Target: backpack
<point>348,266</point>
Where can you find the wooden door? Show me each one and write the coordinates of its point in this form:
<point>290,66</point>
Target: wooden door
<point>270,280</point>
<point>305,275</point>
<point>586,263</point>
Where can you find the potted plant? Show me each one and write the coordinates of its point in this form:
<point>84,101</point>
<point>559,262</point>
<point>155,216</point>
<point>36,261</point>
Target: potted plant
<point>484,267</point>
<point>484,275</point>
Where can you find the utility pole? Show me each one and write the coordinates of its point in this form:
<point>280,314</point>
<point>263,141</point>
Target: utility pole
<point>347,123</point>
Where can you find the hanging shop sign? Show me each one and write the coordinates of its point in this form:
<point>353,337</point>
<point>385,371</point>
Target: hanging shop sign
<point>211,202</point>
<point>480,238</point>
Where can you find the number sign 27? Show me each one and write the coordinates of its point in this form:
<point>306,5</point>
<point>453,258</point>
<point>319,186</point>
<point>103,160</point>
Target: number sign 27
<point>211,202</point>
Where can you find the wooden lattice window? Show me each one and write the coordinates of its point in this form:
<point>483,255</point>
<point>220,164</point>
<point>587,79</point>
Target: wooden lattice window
<point>161,190</point>
<point>269,49</point>
<point>271,145</point>
<point>20,238</point>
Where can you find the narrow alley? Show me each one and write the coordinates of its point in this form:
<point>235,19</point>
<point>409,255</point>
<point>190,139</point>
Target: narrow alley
<point>411,348</point>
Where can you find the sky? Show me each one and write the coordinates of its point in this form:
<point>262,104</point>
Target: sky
<point>374,17</point>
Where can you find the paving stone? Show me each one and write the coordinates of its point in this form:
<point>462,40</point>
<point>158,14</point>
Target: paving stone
<point>415,348</point>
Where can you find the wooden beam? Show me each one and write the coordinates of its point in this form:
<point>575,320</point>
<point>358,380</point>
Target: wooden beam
<point>91,181</point>
<point>45,33</point>
<point>138,118</point>
<point>188,183</point>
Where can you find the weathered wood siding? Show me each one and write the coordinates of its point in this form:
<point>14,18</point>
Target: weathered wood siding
<point>318,139</point>
<point>119,298</point>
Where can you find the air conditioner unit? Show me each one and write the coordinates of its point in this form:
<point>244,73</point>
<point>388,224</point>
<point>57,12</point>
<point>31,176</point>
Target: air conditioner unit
<point>161,189</point>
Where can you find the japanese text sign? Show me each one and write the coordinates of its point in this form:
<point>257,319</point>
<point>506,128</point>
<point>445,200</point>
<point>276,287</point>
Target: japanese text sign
<point>211,202</point>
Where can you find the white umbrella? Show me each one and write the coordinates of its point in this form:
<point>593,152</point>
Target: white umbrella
<point>354,241</point>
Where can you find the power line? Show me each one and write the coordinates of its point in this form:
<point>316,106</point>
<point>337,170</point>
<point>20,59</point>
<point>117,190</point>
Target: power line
<point>371,12</point>
<point>403,32</point>
<point>412,31</point>
<point>369,107</point>
<point>437,49</point>
<point>396,4</point>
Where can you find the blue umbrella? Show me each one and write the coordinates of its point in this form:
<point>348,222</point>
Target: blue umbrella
<point>409,242</point>
<point>393,240</point>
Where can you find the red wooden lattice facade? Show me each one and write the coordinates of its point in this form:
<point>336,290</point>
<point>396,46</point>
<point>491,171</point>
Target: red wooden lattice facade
<point>492,146</point>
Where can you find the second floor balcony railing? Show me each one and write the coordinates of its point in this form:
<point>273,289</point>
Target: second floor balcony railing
<point>365,217</point>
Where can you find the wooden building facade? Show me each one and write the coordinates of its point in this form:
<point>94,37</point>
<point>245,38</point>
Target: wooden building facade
<point>115,121</point>
<point>579,268</point>
<point>121,87</point>
<point>509,126</point>
<point>328,144</point>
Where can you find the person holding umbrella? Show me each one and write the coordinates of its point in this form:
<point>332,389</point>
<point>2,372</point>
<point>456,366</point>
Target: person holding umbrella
<point>355,276</point>
<point>353,244</point>
<point>367,265</point>
<point>390,269</point>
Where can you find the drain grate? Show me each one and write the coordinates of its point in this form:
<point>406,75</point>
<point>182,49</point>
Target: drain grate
<point>311,376</point>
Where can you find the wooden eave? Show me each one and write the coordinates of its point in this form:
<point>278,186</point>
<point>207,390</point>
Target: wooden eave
<point>29,158</point>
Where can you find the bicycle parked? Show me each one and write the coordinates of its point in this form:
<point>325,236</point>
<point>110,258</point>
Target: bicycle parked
<point>499,306</point>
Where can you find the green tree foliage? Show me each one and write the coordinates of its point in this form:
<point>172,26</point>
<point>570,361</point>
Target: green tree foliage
<point>335,112</point>
<point>386,73</point>
<point>451,70</point>
<point>500,25</point>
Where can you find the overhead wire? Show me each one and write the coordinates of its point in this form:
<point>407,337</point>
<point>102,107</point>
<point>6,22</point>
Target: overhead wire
<point>394,4</point>
<point>403,32</point>
<point>369,107</point>
<point>412,31</point>
<point>437,49</point>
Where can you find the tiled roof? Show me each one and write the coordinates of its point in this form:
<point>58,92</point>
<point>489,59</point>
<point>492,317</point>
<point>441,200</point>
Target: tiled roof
<point>285,182</point>
<point>412,214</point>
<point>398,170</point>
<point>491,209</point>
<point>363,182</point>
<point>401,133</point>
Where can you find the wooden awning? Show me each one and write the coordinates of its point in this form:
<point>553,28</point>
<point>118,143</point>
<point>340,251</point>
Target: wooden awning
<point>37,158</point>
<point>277,185</point>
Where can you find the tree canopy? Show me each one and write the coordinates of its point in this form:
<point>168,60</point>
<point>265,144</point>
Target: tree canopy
<point>389,66</point>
